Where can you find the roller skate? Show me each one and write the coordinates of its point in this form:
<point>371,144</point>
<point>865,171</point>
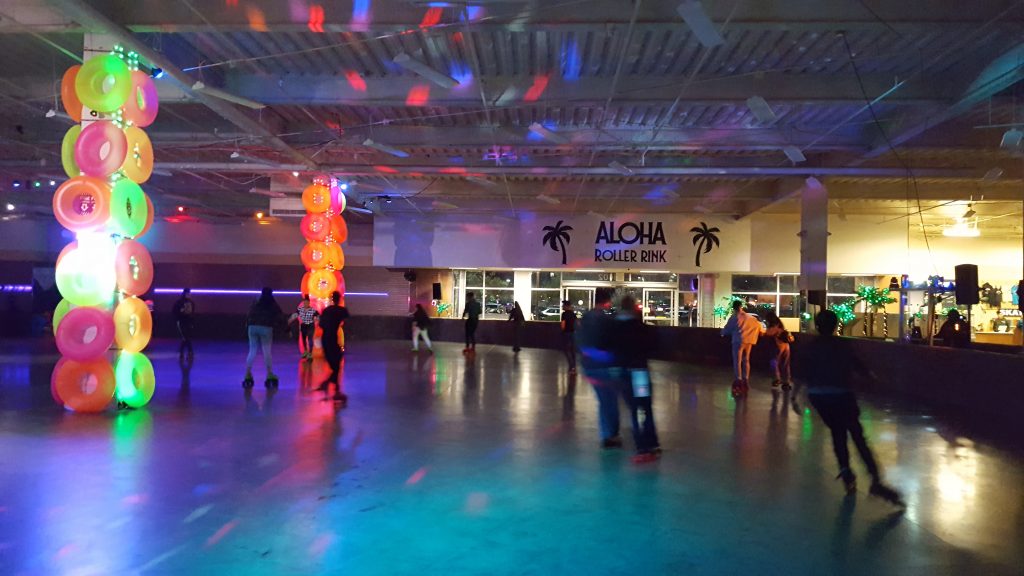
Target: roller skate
<point>886,493</point>
<point>739,388</point>
<point>646,457</point>
<point>787,385</point>
<point>248,382</point>
<point>776,383</point>
<point>849,480</point>
<point>271,381</point>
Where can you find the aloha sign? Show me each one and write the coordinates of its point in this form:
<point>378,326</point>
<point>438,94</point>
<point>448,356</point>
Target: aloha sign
<point>612,237</point>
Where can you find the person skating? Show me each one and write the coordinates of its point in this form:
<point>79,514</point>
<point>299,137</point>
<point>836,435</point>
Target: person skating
<point>331,320</point>
<point>634,343</point>
<point>781,362</point>
<point>568,324</point>
<point>831,366</point>
<point>595,340</point>
<point>307,326</point>
<point>517,318</point>
<point>744,330</point>
<point>420,326</point>
<point>471,313</point>
<point>264,315</point>
<point>184,310</point>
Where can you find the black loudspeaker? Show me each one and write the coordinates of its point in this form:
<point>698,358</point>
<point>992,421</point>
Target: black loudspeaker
<point>966,284</point>
<point>815,297</point>
<point>437,290</point>
<point>409,276</point>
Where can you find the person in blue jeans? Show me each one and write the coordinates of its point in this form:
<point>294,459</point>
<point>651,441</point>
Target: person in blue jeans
<point>595,340</point>
<point>264,315</point>
<point>634,343</point>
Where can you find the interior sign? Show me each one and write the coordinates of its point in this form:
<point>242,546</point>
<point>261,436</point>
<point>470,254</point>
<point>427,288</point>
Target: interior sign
<point>610,236</point>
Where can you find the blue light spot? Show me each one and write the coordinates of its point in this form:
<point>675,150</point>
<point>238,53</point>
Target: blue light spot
<point>571,60</point>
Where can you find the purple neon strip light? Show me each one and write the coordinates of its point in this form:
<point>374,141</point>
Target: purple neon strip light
<point>16,288</point>
<point>231,292</point>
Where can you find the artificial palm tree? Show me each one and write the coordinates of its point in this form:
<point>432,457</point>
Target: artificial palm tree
<point>557,237</point>
<point>704,239</point>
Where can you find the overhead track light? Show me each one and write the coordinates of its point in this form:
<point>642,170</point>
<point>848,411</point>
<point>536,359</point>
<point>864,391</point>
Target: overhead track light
<point>702,27</point>
<point>218,93</point>
<point>1011,139</point>
<point>761,110</point>
<point>794,154</point>
<point>620,168</point>
<point>385,148</point>
<point>992,175</point>
<point>547,134</point>
<point>423,69</point>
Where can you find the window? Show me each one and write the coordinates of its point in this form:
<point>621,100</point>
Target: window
<point>587,276</point>
<point>745,283</point>
<point>765,294</point>
<point>841,284</point>
<point>499,279</point>
<point>687,303</point>
<point>494,291</point>
<point>547,280</point>
<point>546,296</point>
<point>651,277</point>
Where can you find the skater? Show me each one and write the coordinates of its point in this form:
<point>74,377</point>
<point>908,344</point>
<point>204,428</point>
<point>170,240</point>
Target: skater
<point>634,343</point>
<point>595,341</point>
<point>264,315</point>
<point>516,317</point>
<point>331,320</point>
<point>831,366</point>
<point>420,325</point>
<point>471,313</point>
<point>780,364</point>
<point>569,334</point>
<point>744,330</point>
<point>955,331</point>
<point>307,326</point>
<point>184,312</point>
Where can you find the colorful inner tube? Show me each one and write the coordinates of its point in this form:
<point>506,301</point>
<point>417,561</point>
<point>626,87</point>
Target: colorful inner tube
<point>138,161</point>
<point>339,229</point>
<point>67,151</point>
<point>314,255</point>
<point>103,83</point>
<point>338,200</point>
<point>335,257</point>
<point>82,203</point>
<point>316,198</point>
<point>315,227</point>
<point>135,379</point>
<point>133,325</point>
<point>85,333</point>
<point>134,268</point>
<point>84,282</point>
<point>321,283</point>
<point>62,309</point>
<point>150,214</point>
<point>142,105</point>
<point>128,208</point>
<point>83,386</point>
<point>101,149</point>
<point>304,284</point>
<point>68,96</point>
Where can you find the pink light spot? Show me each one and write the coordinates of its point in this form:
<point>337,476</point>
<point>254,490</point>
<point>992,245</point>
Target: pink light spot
<point>416,476</point>
<point>431,18</point>
<point>477,502</point>
<point>231,3</point>
<point>355,80</point>
<point>418,95</point>
<point>65,551</point>
<point>134,499</point>
<point>321,544</point>
<point>316,18</point>
<point>385,169</point>
<point>221,533</point>
<point>540,83</point>
<point>453,170</point>
<point>457,37</point>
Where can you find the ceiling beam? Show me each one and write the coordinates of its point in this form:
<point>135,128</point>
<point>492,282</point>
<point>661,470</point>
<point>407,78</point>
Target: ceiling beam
<point>92,19</point>
<point>783,189</point>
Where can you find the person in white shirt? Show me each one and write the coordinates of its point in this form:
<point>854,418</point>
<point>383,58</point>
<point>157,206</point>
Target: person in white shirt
<point>744,330</point>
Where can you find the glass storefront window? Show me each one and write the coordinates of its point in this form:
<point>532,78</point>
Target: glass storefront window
<point>651,277</point>
<point>751,283</point>
<point>788,306</point>
<point>499,279</point>
<point>688,283</point>
<point>788,283</point>
<point>474,279</point>
<point>547,305</point>
<point>547,280</point>
<point>587,276</point>
<point>842,284</point>
<point>498,303</point>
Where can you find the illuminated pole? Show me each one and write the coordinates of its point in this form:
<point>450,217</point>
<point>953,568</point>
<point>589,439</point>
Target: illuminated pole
<point>325,231</point>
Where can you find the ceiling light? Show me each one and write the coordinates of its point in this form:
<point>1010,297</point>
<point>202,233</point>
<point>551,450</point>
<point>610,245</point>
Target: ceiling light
<point>548,199</point>
<point>423,69</point>
<point>218,93</point>
<point>181,208</point>
<point>701,26</point>
<point>51,113</point>
<point>620,168</point>
<point>343,186</point>
<point>385,148</point>
<point>16,184</point>
<point>794,154</point>
<point>53,182</point>
<point>761,110</point>
<point>962,229</point>
<point>235,154</point>
<point>1011,139</point>
<point>387,199</point>
<point>295,173</point>
<point>259,215</point>
<point>10,207</point>
<point>157,73</point>
<point>547,134</point>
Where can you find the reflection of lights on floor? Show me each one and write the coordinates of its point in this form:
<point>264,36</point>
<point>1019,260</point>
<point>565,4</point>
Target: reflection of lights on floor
<point>321,544</point>
<point>221,533</point>
<point>197,513</point>
<point>416,476</point>
<point>477,502</point>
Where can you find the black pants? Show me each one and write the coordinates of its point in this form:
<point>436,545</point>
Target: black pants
<point>185,331</point>
<point>333,355</point>
<point>516,328</point>
<point>306,333</point>
<point>645,435</point>
<point>841,414</point>
<point>471,333</point>
<point>569,346</point>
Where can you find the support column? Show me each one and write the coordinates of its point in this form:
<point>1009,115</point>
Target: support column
<point>814,242</point>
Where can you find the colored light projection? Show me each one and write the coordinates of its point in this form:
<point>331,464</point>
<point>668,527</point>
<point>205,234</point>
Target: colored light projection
<point>104,271</point>
<point>325,231</point>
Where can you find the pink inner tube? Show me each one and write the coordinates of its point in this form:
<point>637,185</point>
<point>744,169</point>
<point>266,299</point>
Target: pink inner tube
<point>143,103</point>
<point>134,267</point>
<point>85,333</point>
<point>315,226</point>
<point>101,149</point>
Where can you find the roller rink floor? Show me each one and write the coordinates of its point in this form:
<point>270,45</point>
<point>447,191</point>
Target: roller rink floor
<point>441,465</point>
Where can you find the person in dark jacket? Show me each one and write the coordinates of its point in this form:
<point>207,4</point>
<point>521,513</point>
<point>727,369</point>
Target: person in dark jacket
<point>420,325</point>
<point>184,311</point>
<point>594,338</point>
<point>264,315</point>
<point>955,331</point>
<point>471,313</point>
<point>331,320</point>
<point>568,324</point>
<point>831,367</point>
<point>516,317</point>
<point>634,343</point>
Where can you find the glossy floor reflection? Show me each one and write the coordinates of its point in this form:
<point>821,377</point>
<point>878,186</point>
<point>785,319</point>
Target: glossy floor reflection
<point>443,466</point>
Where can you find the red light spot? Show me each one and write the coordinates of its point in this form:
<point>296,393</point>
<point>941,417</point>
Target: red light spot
<point>385,169</point>
<point>257,21</point>
<point>416,476</point>
<point>416,174</point>
<point>355,80</point>
<point>431,18</point>
<point>540,83</point>
<point>453,170</point>
<point>457,37</point>
<point>316,18</point>
<point>221,533</point>
<point>231,3</point>
<point>419,95</point>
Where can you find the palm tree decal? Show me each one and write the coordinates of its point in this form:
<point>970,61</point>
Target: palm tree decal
<point>557,237</point>
<point>704,238</point>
